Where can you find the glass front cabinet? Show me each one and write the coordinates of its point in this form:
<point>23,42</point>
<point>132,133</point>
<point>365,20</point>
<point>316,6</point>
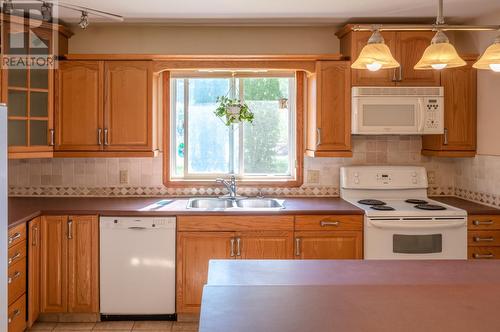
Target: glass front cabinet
<point>30,50</point>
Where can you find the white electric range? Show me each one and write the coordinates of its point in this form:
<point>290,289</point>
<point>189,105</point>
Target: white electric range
<point>401,222</point>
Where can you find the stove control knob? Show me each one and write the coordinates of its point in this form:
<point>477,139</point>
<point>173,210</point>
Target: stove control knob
<point>356,180</point>
<point>414,180</point>
<point>414,174</point>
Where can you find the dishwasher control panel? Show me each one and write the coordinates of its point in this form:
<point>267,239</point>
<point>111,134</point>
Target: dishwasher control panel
<point>137,222</point>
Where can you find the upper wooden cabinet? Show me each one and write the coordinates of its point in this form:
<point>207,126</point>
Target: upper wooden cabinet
<point>459,139</point>
<point>105,108</point>
<point>329,110</point>
<point>406,46</point>
<point>27,87</point>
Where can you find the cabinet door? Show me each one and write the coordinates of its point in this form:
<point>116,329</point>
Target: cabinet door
<point>410,47</point>
<point>54,252</point>
<point>79,106</point>
<point>333,113</point>
<point>383,77</point>
<point>128,106</point>
<point>194,250</point>
<point>83,263</point>
<point>459,113</point>
<point>328,245</point>
<point>265,245</point>
<point>34,271</point>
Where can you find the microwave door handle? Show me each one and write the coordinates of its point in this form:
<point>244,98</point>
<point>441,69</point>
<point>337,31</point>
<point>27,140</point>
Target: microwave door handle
<point>416,225</point>
<point>421,115</point>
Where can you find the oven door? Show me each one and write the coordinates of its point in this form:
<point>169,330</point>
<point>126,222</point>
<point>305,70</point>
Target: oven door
<point>387,115</point>
<point>415,239</point>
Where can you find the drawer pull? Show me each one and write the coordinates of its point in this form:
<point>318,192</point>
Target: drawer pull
<point>324,223</point>
<point>16,275</point>
<point>13,258</point>
<point>482,256</point>
<point>238,246</point>
<point>232,247</point>
<point>484,222</point>
<point>16,313</point>
<point>484,239</point>
<point>297,246</point>
<point>14,237</point>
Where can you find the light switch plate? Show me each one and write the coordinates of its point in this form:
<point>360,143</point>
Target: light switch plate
<point>431,177</point>
<point>124,176</point>
<point>312,176</point>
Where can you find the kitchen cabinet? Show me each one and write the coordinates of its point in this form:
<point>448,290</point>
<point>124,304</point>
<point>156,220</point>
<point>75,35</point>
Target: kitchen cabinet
<point>34,270</point>
<point>329,110</point>
<point>69,264</point>
<point>16,278</point>
<point>406,47</point>
<point>17,315</point>
<point>201,238</point>
<point>105,109</point>
<point>28,89</point>
<point>483,234</point>
<point>460,94</point>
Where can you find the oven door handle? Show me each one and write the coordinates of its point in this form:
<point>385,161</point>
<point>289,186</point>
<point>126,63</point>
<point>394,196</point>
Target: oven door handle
<point>421,115</point>
<point>417,225</point>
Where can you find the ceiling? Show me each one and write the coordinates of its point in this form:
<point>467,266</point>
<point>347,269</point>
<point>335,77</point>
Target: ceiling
<point>281,11</point>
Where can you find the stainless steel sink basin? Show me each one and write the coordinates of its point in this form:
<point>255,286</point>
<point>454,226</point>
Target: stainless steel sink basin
<point>240,204</point>
<point>259,203</point>
<point>209,203</point>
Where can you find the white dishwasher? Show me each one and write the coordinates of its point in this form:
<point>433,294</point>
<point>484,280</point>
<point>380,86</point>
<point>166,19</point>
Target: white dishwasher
<point>137,266</point>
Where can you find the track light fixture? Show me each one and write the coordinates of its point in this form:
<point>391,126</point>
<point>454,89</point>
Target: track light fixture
<point>375,55</point>
<point>490,58</point>
<point>8,6</point>
<point>84,20</point>
<point>46,10</point>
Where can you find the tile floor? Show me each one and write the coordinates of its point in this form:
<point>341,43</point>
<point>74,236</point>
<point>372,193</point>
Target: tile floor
<point>157,326</point>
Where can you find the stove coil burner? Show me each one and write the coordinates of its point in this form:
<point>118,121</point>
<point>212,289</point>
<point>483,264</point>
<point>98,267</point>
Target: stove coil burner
<point>416,201</point>
<point>430,207</point>
<point>371,202</point>
<point>382,208</point>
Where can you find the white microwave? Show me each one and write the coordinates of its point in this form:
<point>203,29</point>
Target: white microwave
<point>397,110</point>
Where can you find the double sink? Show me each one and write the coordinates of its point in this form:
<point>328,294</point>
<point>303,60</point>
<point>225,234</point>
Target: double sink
<point>236,204</point>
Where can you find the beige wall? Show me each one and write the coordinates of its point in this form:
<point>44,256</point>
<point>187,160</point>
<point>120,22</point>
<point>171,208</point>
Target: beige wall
<point>203,40</point>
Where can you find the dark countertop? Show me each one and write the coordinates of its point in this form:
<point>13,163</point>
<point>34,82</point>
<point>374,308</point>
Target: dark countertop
<point>472,208</point>
<point>22,209</point>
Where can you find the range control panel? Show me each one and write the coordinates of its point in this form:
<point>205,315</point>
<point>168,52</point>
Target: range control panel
<point>383,177</point>
<point>433,115</point>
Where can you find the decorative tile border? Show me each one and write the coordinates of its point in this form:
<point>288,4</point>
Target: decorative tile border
<point>478,197</point>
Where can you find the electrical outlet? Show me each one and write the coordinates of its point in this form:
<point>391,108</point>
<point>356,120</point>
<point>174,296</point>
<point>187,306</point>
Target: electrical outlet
<point>312,176</point>
<point>431,177</point>
<point>124,176</point>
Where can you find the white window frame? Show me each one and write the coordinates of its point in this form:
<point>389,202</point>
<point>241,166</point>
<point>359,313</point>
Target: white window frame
<point>292,127</point>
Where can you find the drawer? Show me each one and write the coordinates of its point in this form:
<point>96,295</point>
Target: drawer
<point>17,280</point>
<point>16,253</point>
<point>329,223</point>
<point>483,238</point>
<point>484,222</point>
<point>484,252</point>
<point>17,234</point>
<point>234,223</point>
<point>17,315</point>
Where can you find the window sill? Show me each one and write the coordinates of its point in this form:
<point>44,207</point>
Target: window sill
<point>241,184</point>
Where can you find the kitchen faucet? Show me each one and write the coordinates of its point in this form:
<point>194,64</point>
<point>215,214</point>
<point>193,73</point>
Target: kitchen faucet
<point>230,185</point>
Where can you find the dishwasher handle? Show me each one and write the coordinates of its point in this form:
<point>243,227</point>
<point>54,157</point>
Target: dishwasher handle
<point>138,228</point>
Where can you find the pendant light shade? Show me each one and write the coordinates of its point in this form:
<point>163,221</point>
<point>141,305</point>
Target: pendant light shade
<point>490,58</point>
<point>440,54</point>
<point>375,55</point>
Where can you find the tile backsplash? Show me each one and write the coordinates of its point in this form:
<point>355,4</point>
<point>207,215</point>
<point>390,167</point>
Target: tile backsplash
<point>101,176</point>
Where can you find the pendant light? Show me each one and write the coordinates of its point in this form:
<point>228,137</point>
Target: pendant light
<point>375,55</point>
<point>440,53</point>
<point>490,58</point>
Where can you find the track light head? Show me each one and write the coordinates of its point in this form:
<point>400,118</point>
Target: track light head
<point>8,6</point>
<point>46,10</point>
<point>84,20</point>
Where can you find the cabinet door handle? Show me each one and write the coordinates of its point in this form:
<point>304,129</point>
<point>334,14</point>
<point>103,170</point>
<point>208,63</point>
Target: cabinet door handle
<point>52,137</point>
<point>318,136</point>
<point>106,134</point>
<point>232,247</point>
<point>482,222</point>
<point>400,77</point>
<point>445,136</point>
<point>14,237</point>
<point>297,246</point>
<point>482,256</point>
<point>13,258</point>
<point>99,136</point>
<point>484,239</point>
<point>238,246</point>
<point>34,241</point>
<point>70,229</point>
<point>394,78</point>
<point>16,313</point>
<point>16,275</point>
<point>325,223</point>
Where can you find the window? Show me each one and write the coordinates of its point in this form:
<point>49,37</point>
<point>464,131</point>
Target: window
<point>202,147</point>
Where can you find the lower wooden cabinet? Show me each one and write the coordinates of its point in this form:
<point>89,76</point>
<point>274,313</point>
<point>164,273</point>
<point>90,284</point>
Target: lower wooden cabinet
<point>483,234</point>
<point>328,245</point>
<point>34,269</point>
<point>17,315</point>
<point>69,264</point>
<point>16,278</point>
<point>264,245</point>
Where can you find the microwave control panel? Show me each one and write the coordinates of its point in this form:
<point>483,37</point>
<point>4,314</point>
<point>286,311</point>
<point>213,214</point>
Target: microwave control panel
<point>433,116</point>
